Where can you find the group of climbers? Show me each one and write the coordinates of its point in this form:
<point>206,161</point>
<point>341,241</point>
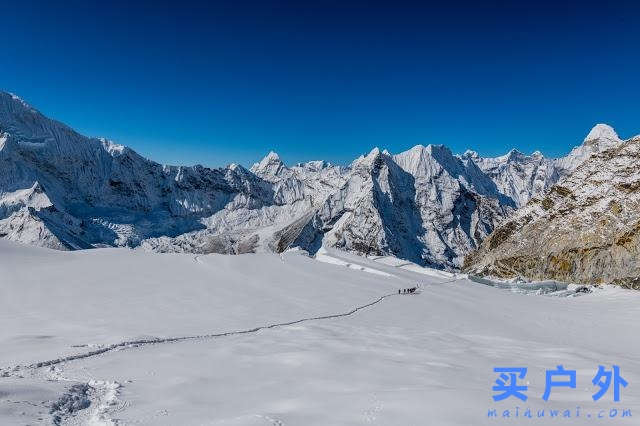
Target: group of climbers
<point>407,290</point>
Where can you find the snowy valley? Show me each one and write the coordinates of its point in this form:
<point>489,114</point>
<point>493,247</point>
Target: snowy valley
<point>115,336</point>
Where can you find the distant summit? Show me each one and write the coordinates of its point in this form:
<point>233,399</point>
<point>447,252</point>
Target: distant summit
<point>602,131</point>
<point>270,165</point>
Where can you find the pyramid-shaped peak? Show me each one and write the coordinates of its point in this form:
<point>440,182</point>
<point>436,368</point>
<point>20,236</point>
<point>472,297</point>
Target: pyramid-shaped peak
<point>368,159</point>
<point>374,152</point>
<point>272,156</point>
<point>514,154</point>
<point>269,165</point>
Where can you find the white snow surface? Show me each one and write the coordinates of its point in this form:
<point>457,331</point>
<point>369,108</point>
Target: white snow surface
<point>424,359</point>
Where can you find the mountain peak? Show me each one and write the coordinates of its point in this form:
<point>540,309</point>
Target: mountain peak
<point>272,156</point>
<point>514,154</point>
<point>602,131</point>
<point>374,152</point>
<point>271,164</point>
<point>426,160</point>
<point>469,153</point>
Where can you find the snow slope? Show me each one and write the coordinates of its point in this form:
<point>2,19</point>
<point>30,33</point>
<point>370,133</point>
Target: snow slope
<point>405,360</point>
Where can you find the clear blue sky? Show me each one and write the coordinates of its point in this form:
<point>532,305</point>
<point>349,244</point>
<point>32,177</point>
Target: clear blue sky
<point>188,83</point>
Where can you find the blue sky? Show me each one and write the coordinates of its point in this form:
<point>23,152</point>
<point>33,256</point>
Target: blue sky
<point>223,82</point>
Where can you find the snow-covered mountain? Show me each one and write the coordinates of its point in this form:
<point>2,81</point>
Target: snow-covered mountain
<point>517,175</point>
<point>313,180</point>
<point>586,228</point>
<point>63,190</point>
<point>424,205</point>
<point>294,194</point>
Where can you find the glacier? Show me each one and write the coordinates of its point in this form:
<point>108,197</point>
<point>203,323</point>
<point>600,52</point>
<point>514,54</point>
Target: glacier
<point>118,336</point>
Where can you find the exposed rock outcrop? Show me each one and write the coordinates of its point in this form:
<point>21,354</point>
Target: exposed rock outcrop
<point>585,229</point>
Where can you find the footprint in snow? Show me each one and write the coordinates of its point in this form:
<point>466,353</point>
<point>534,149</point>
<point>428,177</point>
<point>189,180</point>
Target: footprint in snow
<point>370,414</point>
<point>274,422</point>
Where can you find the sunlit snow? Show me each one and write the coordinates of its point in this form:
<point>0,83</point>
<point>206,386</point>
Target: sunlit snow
<point>200,351</point>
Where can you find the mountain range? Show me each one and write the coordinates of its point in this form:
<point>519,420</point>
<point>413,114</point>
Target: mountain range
<point>584,229</point>
<point>63,190</point>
